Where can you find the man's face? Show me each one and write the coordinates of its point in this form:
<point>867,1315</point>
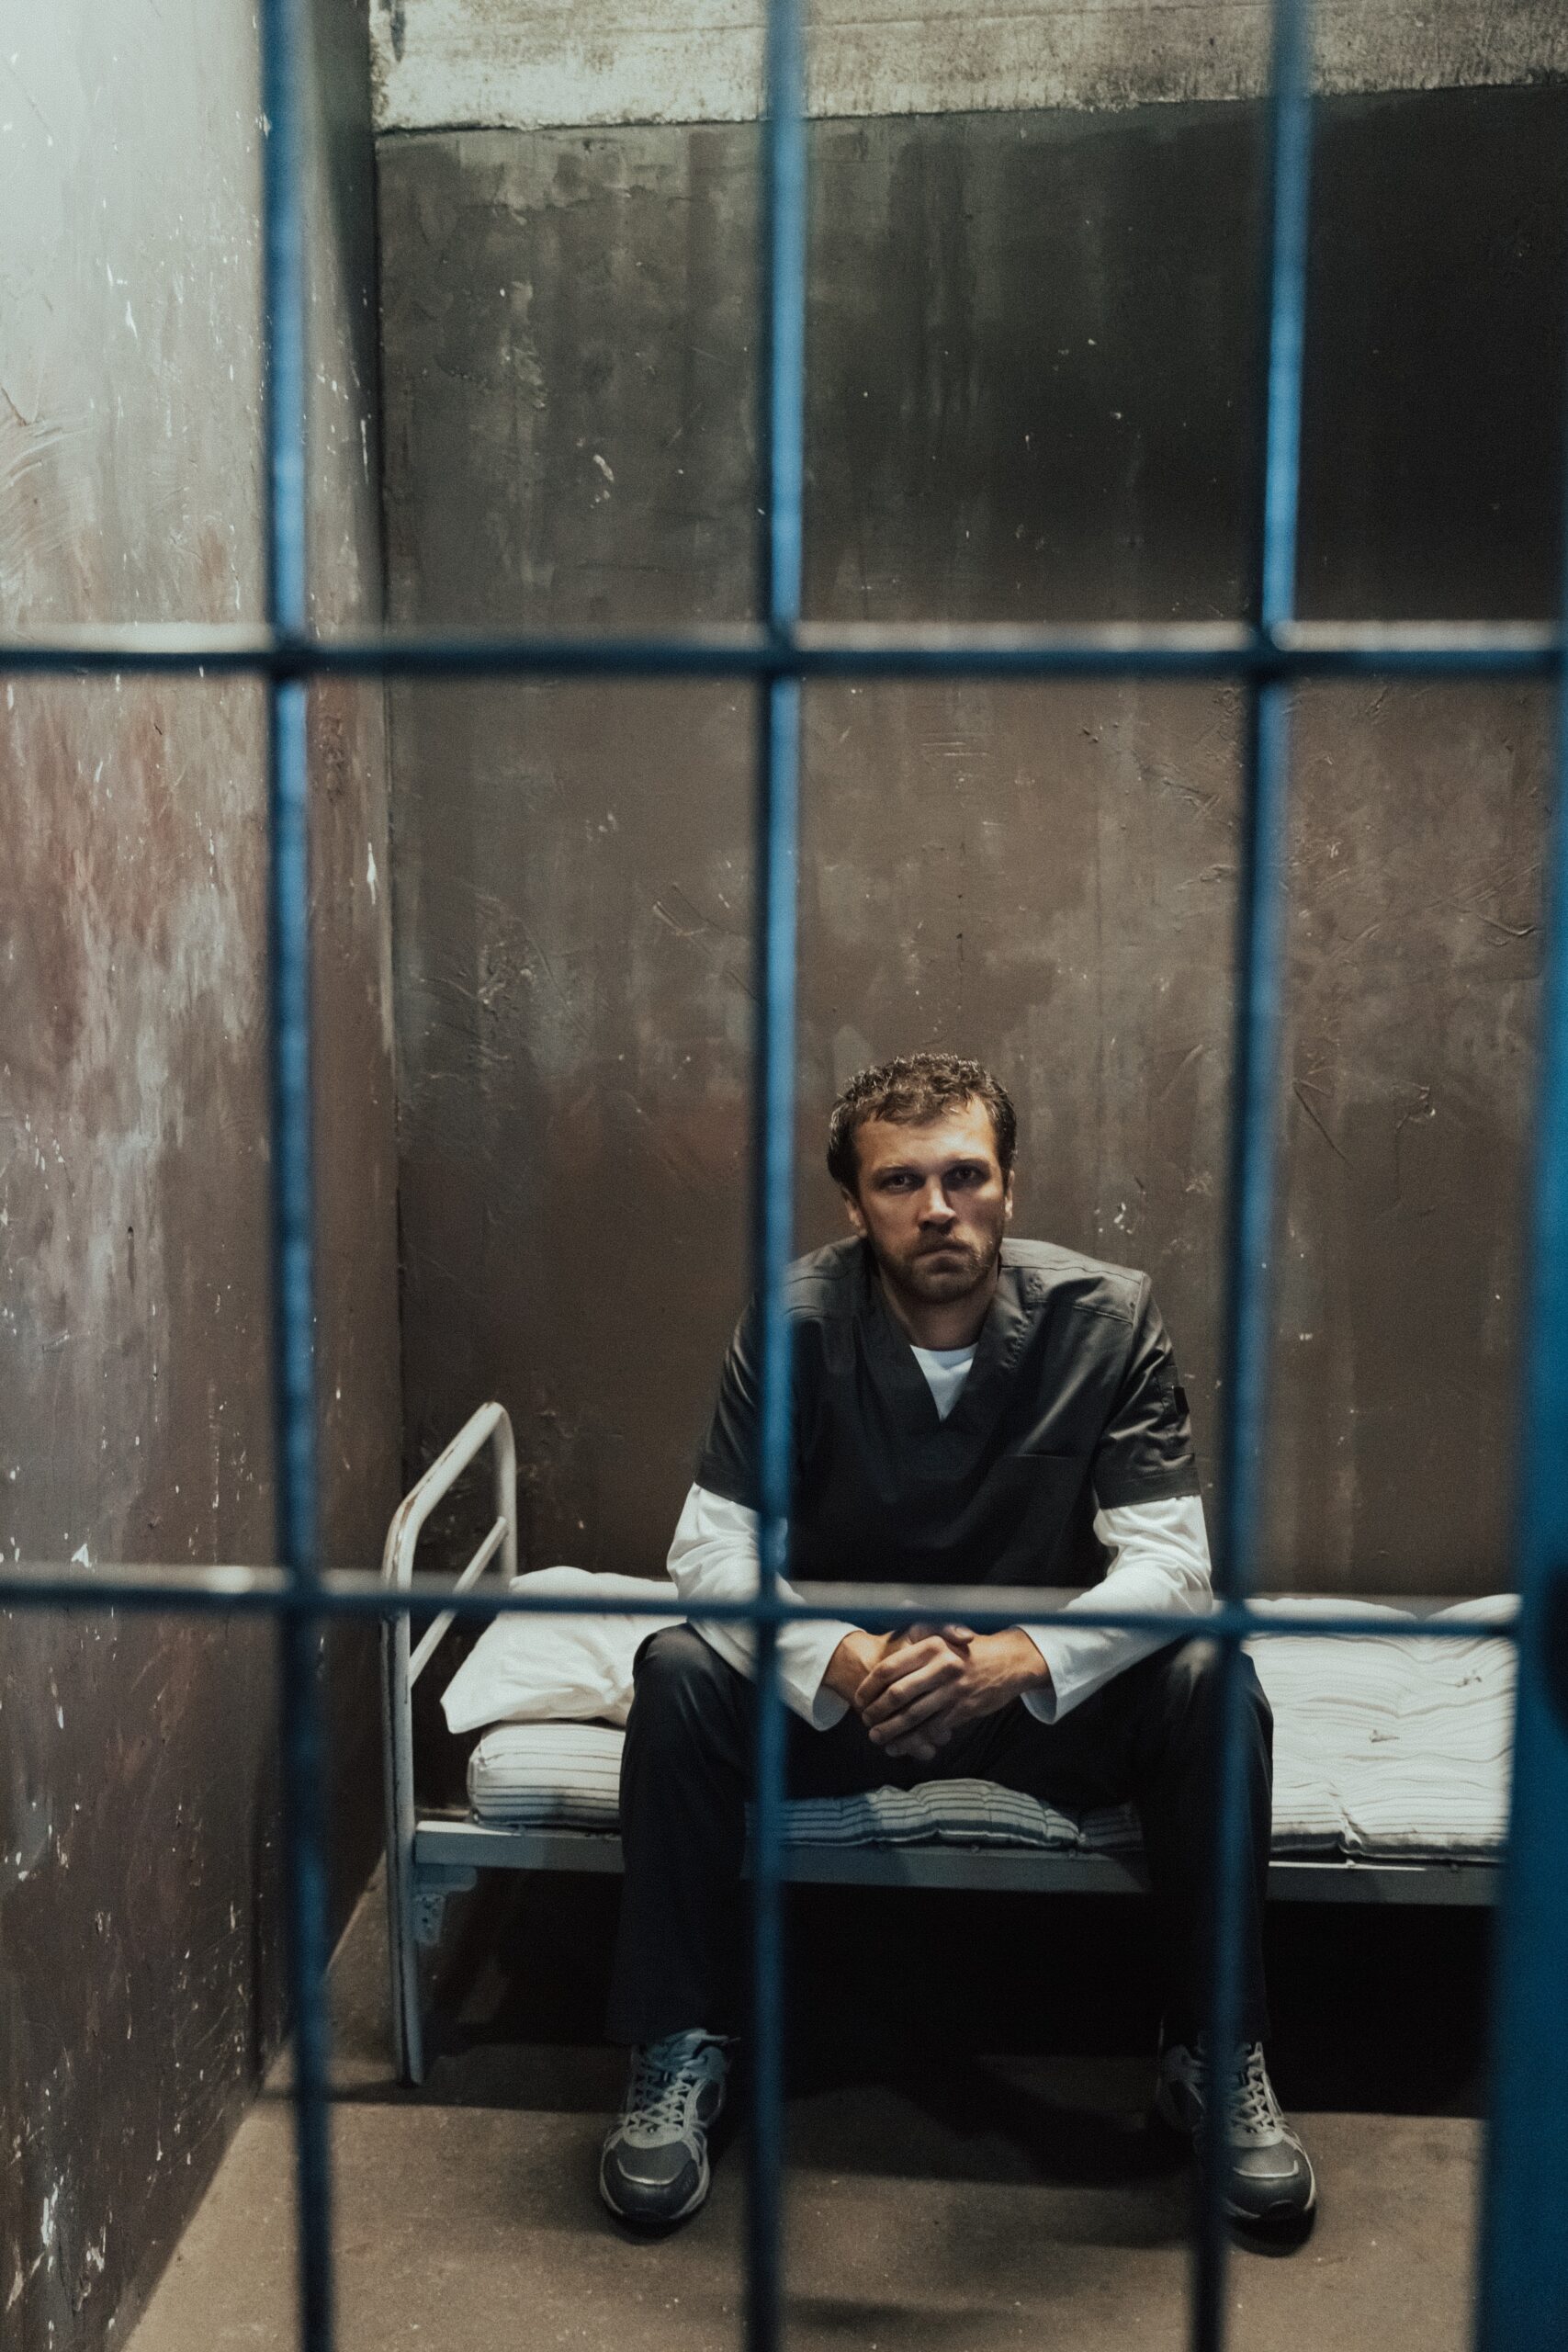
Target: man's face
<point>932,1201</point>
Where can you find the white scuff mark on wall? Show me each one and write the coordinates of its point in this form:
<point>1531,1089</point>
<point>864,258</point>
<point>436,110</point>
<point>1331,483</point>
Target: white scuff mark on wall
<point>79,1559</point>
<point>131,323</point>
<point>371,869</point>
<point>40,499</point>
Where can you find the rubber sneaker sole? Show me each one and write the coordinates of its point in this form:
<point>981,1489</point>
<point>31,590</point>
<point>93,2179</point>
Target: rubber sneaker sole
<point>1171,2110</point>
<point>1283,2211</point>
<point>646,2220</point>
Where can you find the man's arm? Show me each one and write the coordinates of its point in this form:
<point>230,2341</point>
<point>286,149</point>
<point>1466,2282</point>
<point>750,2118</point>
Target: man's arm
<point>1161,1562</point>
<point>1145,1483</point>
<point>821,1665</point>
<point>914,1702</point>
<point>714,1557</point>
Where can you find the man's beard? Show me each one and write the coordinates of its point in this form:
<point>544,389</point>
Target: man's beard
<point>937,1275</point>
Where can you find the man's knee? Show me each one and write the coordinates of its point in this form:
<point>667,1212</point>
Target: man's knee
<point>1193,1684</point>
<point>680,1683</point>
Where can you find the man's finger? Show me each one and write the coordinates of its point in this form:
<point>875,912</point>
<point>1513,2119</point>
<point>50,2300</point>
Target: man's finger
<point>926,1741</point>
<point>923,1709</point>
<point>933,1673</point>
<point>923,1750</point>
<point>899,1666</point>
<point>963,1634</point>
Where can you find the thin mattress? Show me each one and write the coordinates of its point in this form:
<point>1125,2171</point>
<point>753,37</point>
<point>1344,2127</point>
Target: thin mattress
<point>1387,1747</point>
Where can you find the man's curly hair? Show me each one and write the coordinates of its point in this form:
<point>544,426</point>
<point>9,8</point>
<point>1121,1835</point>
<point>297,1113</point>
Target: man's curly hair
<point>909,1090</point>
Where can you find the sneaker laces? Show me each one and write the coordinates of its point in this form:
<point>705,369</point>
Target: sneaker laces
<point>663,2075</point>
<point>1254,2110</point>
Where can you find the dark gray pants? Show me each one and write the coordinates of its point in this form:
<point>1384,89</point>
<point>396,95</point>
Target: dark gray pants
<point>1150,1736</point>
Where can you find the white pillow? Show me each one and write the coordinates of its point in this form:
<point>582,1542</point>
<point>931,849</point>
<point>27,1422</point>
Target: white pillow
<point>1492,1609</point>
<point>552,1669</point>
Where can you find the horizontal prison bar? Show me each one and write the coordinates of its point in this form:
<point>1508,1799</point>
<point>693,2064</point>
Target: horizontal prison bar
<point>362,1593</point>
<point>1305,649</point>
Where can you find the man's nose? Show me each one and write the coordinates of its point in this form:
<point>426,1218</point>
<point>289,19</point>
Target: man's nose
<point>935,1206</point>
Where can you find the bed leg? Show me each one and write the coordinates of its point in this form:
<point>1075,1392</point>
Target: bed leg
<point>403,1952</point>
<point>402,1945</point>
<point>429,1904</point>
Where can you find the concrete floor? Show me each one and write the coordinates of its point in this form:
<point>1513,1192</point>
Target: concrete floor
<point>942,2198</point>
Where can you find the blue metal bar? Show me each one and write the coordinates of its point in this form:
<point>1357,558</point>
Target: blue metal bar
<point>780,445</point>
<point>282,31</point>
<point>1259,985</point>
<point>362,1593</point>
<point>775,1180</point>
<point>816,650</point>
<point>1523,2270</point>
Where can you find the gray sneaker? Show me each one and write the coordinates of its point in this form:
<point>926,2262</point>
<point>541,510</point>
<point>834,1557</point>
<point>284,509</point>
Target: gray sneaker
<point>1269,2175</point>
<point>654,2169</point>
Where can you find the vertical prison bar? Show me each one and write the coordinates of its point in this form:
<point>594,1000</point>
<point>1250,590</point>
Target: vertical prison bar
<point>292,1173</point>
<point>1522,2277</point>
<point>781,466</point>
<point>1258,986</point>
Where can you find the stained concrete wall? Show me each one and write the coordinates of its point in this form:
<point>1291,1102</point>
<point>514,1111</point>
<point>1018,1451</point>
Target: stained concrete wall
<point>139,1916</point>
<point>526,63</point>
<point>1031,351</point>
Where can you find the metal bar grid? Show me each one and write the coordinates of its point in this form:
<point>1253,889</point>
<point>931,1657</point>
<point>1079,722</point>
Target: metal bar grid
<point>1525,2268</point>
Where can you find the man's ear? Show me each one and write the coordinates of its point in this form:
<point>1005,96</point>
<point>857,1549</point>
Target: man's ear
<point>857,1216</point>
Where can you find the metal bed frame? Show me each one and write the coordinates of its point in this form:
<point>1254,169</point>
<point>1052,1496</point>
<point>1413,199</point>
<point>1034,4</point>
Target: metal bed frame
<point>433,1855</point>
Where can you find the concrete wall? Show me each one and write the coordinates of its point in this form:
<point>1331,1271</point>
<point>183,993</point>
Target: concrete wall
<point>139,1898</point>
<point>528,63</point>
<point>1031,352</point>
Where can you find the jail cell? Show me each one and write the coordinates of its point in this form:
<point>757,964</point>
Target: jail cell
<point>862,570</point>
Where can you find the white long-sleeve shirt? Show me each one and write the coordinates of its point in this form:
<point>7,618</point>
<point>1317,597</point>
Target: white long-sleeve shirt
<point>1161,1562</point>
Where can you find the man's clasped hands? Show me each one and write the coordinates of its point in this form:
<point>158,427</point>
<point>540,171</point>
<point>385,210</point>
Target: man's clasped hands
<point>915,1687</point>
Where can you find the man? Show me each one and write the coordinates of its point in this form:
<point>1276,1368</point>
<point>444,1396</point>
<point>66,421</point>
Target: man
<point>967,1411</point>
